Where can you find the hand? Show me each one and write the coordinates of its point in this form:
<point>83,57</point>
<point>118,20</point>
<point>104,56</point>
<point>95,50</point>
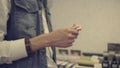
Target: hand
<point>65,37</point>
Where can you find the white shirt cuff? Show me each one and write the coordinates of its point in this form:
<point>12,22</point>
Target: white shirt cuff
<point>18,49</point>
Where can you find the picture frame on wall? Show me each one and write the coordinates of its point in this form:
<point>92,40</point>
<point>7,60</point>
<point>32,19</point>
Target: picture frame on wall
<point>63,51</point>
<point>76,52</point>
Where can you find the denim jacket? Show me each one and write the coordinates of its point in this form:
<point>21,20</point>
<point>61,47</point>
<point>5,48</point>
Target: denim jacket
<point>26,22</point>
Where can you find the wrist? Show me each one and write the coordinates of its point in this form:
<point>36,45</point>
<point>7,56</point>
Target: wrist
<point>28,46</point>
<point>39,42</point>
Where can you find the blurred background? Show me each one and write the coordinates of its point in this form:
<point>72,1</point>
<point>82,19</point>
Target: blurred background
<point>100,21</point>
<point>99,41</point>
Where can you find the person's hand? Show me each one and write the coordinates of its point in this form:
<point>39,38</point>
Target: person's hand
<point>65,37</point>
<point>59,38</point>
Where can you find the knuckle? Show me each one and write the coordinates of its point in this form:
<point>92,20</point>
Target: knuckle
<point>70,35</point>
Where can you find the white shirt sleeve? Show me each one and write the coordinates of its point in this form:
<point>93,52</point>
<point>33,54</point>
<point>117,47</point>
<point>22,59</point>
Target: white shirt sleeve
<point>12,50</point>
<point>9,50</point>
<point>17,49</point>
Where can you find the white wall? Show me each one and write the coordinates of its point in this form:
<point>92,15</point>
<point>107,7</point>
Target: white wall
<point>100,20</point>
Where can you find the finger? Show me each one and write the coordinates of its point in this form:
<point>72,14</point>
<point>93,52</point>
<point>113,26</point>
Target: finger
<point>71,41</point>
<point>76,36</point>
<point>79,28</point>
<point>73,31</point>
<point>70,44</point>
<point>75,26</point>
<point>71,36</point>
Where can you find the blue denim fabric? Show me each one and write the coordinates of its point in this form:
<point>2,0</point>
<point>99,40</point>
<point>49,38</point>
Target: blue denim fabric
<point>25,22</point>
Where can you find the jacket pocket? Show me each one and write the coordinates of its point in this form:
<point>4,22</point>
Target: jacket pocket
<point>28,5</point>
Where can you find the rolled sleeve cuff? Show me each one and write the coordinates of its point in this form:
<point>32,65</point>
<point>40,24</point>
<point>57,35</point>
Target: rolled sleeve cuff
<point>18,49</point>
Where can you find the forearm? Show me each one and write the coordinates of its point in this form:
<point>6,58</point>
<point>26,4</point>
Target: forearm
<point>40,41</point>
